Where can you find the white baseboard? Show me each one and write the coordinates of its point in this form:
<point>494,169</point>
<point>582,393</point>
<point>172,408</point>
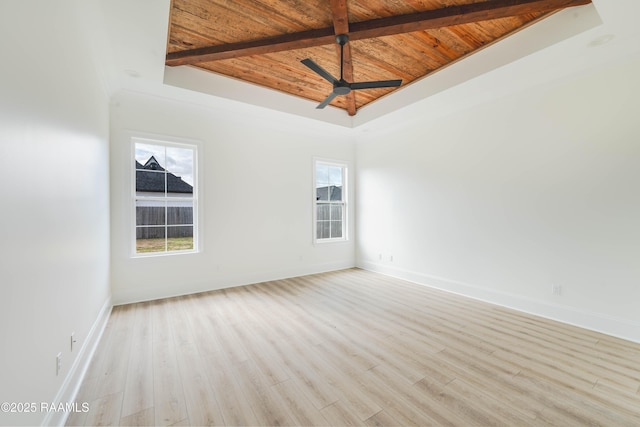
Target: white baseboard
<point>69,389</point>
<point>593,321</point>
<point>128,296</point>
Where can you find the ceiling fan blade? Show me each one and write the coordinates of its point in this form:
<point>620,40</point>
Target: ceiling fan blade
<point>376,84</point>
<point>326,101</point>
<point>319,70</point>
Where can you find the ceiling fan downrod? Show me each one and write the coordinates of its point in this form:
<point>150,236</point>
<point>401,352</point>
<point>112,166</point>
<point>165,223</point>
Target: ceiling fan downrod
<point>342,39</point>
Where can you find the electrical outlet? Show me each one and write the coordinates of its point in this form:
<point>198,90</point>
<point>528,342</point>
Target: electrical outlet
<point>58,363</point>
<point>73,341</point>
<point>556,289</point>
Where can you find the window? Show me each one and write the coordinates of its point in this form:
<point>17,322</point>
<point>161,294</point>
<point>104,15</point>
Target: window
<point>330,209</point>
<point>165,201</point>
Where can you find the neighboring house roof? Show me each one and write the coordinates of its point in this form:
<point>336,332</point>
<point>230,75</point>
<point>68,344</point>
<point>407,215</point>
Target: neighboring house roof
<point>150,177</point>
<point>335,193</point>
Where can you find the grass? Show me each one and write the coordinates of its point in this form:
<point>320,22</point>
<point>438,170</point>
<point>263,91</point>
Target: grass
<point>157,245</point>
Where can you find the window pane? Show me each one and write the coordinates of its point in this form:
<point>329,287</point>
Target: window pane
<point>150,212</point>
<point>180,238</point>
<point>322,230</point>
<point>150,239</point>
<point>336,212</point>
<point>322,175</point>
<point>322,182</point>
<point>322,193</point>
<point>336,229</point>
<point>150,232</point>
<point>180,162</point>
<point>323,212</point>
<point>177,186</point>
<point>150,182</point>
<point>179,213</point>
<point>335,193</point>
<point>335,176</point>
<point>150,156</point>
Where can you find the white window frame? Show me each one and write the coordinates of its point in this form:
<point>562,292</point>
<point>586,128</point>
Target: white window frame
<point>345,199</point>
<point>166,142</point>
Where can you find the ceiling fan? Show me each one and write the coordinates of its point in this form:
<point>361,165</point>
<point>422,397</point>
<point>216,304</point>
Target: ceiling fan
<point>342,87</point>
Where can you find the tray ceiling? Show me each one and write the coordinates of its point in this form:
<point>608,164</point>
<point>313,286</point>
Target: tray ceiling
<point>263,42</point>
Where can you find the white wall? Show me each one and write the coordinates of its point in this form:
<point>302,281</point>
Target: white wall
<point>54,205</point>
<point>502,200</point>
<point>256,196</point>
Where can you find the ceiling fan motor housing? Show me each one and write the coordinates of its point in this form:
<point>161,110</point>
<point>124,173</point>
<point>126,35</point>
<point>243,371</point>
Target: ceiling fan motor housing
<point>341,87</point>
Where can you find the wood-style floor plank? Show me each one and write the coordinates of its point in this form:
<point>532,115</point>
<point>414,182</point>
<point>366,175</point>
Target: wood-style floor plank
<point>353,348</point>
<point>168,393</point>
<point>138,389</point>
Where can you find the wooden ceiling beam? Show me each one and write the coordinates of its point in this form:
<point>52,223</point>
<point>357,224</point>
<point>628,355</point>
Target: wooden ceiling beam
<point>455,15</point>
<point>300,40</point>
<point>341,26</point>
<point>419,21</point>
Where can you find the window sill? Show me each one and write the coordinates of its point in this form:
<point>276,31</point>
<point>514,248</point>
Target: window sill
<point>162,254</point>
<point>330,241</point>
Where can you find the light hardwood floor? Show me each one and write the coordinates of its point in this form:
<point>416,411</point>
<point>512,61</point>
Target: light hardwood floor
<point>353,348</point>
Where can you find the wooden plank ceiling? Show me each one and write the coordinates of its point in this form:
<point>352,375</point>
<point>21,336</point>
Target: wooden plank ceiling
<point>263,42</point>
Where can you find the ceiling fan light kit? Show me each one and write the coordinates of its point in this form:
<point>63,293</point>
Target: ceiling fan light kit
<point>341,86</point>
